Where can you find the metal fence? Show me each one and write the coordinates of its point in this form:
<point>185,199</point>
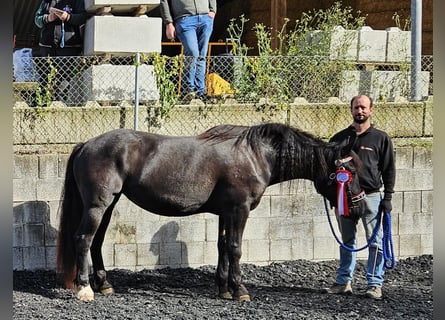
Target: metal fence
<point>110,80</point>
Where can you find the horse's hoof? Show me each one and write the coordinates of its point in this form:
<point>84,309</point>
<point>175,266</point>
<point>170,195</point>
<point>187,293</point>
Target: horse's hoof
<point>226,295</point>
<point>84,293</point>
<point>244,297</point>
<point>107,291</point>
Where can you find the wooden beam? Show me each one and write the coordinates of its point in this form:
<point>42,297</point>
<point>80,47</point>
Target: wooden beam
<point>278,9</point>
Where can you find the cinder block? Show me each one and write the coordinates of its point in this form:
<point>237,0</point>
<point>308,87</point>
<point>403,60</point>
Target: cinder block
<point>192,253</point>
<point>410,245</point>
<point>412,180</point>
<point>125,255</point>
<point>282,228</point>
<point>17,259</point>
<point>423,158</point>
<point>192,229</point>
<point>344,44</point>
<point>371,45</point>
<point>256,251</point>
<point>427,201</point>
<point>108,82</point>
<point>34,235</point>
<point>48,166</point>
<point>325,248</point>
<point>281,250</point>
<point>108,255</point>
<point>303,248</point>
<point>210,253</point>
<point>147,254</point>
<point>25,166</point>
<point>34,258</point>
<point>17,235</point>
<point>426,243</point>
<point>120,6</point>
<point>404,157</point>
<point>122,35</point>
<point>257,228</point>
<point>212,223</point>
<point>398,45</point>
<point>170,254</point>
<point>51,257</point>
<point>49,189</point>
<point>263,208</point>
<point>412,202</point>
<point>416,223</point>
<point>24,189</point>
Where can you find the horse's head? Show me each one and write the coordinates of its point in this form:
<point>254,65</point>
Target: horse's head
<point>342,187</point>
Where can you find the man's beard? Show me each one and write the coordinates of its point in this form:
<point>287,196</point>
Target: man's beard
<point>360,120</point>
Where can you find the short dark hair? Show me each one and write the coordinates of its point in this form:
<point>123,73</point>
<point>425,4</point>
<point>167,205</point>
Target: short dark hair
<point>362,95</point>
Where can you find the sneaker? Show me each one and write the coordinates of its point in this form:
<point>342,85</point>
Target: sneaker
<point>338,288</point>
<point>374,293</point>
<point>188,97</point>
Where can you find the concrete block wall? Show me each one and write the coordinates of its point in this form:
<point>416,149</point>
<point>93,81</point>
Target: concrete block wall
<point>289,223</point>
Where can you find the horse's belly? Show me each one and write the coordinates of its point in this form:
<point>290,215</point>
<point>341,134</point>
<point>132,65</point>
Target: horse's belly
<point>169,204</point>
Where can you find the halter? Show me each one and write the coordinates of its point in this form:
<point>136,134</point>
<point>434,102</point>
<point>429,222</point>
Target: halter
<point>345,198</point>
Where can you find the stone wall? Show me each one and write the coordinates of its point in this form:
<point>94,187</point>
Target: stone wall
<point>289,223</point>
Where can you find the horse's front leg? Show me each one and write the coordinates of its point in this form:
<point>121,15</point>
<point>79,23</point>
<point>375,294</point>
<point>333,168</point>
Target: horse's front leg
<point>234,230</point>
<point>222,271</point>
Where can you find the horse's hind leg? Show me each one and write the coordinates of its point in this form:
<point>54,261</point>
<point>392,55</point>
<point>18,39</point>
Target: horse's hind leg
<point>89,224</point>
<point>100,282</point>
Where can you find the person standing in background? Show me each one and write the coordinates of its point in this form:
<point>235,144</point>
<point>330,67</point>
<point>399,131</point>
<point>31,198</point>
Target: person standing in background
<point>60,35</point>
<point>191,21</point>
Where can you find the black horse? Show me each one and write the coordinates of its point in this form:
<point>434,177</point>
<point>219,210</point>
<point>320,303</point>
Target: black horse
<point>224,171</point>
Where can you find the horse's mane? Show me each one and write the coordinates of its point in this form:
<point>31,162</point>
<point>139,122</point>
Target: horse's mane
<point>292,145</point>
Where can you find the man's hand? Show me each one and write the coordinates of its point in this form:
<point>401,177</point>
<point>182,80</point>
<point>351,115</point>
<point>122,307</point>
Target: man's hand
<point>170,31</point>
<point>385,205</point>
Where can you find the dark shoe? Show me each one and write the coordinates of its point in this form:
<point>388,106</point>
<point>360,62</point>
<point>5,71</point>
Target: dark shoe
<point>188,97</point>
<point>338,288</point>
<point>374,293</point>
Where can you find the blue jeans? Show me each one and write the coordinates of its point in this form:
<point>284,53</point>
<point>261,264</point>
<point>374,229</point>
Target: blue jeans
<point>194,33</point>
<point>348,228</point>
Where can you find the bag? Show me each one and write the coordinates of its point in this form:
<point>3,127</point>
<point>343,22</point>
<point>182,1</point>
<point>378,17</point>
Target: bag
<point>23,65</point>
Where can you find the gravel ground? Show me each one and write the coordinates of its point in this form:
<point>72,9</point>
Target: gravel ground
<point>287,290</point>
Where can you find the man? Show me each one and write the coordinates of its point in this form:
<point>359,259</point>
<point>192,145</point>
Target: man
<point>376,152</point>
<point>192,22</point>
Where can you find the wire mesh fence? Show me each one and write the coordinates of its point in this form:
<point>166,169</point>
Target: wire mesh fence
<point>240,90</point>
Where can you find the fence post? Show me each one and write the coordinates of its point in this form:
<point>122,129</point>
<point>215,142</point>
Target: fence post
<point>416,49</point>
<point>136,92</point>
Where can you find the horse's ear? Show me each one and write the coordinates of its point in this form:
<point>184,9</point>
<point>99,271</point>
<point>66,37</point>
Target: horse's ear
<point>347,145</point>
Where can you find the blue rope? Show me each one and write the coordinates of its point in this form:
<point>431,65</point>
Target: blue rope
<point>388,250</point>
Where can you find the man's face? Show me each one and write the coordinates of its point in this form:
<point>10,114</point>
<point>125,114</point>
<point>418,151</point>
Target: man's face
<point>361,110</point>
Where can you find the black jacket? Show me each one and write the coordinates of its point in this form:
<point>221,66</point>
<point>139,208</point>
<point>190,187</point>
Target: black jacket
<point>51,32</point>
<point>375,149</point>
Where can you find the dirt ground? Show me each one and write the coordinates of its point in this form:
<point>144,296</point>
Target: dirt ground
<point>287,290</point>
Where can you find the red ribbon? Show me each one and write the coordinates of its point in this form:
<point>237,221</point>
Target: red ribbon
<point>342,177</point>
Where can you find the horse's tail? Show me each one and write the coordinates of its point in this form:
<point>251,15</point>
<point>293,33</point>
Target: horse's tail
<point>70,213</point>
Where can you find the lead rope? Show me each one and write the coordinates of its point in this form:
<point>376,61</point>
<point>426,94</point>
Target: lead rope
<point>388,250</point>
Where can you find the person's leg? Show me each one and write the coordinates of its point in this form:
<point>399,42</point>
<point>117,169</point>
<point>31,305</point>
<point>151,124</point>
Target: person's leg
<point>371,220</point>
<point>204,32</point>
<point>345,271</point>
<point>186,31</point>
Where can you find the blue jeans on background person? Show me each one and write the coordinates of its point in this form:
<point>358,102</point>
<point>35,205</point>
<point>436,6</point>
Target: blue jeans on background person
<point>194,33</point>
<point>348,228</point>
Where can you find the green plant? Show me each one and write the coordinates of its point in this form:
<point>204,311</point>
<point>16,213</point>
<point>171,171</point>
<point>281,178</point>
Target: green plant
<point>166,70</point>
<point>44,96</point>
<point>302,64</point>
